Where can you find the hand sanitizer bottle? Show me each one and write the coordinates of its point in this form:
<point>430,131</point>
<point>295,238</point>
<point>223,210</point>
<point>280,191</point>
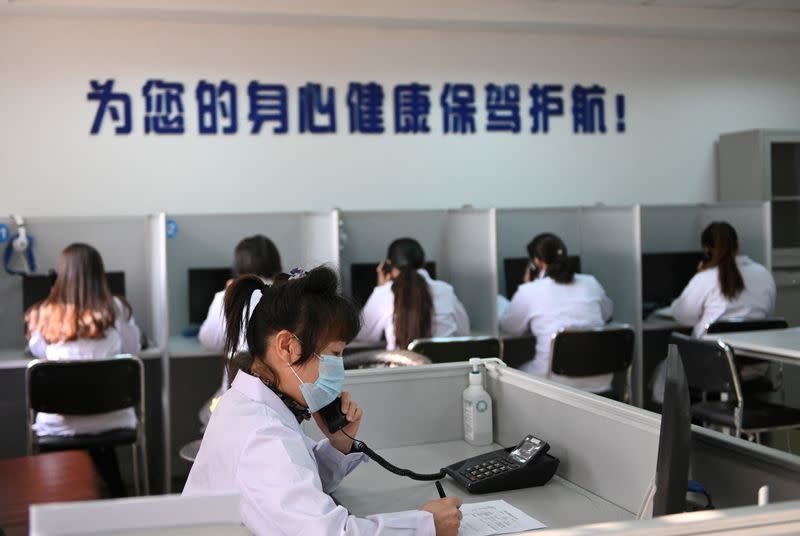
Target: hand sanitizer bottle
<point>477,408</point>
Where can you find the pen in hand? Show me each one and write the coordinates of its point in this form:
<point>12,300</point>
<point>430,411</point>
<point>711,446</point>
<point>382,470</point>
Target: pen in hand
<point>440,490</point>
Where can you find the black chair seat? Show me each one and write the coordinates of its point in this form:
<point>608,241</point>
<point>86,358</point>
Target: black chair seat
<point>758,385</point>
<point>112,438</point>
<point>756,414</point>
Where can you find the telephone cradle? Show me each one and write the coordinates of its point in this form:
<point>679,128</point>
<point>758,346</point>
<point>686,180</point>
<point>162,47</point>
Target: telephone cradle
<point>498,471</point>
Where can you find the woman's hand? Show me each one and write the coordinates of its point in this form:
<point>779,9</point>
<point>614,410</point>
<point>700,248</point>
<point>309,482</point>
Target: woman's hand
<point>382,277</point>
<point>354,413</point>
<point>446,515</point>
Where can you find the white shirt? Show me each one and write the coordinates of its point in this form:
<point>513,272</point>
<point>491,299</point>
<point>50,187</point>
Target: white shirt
<point>255,446</point>
<point>702,302</point>
<point>122,338</point>
<point>543,307</point>
<point>449,316</point>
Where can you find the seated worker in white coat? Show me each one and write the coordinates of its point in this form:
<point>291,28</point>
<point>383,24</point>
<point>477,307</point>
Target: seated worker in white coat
<point>727,286</point>
<point>81,319</point>
<point>552,298</point>
<point>256,255</point>
<point>408,304</point>
<point>254,443</point>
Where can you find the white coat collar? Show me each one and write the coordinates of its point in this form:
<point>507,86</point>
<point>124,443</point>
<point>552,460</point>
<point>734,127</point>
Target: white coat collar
<point>425,275</point>
<point>254,389</point>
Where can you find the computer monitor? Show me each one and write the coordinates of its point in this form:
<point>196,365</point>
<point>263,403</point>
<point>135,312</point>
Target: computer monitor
<point>665,275</point>
<point>674,441</point>
<point>363,279</point>
<point>514,270</point>
<point>203,284</point>
<point>36,288</point>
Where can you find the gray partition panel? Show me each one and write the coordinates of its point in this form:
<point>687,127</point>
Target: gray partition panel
<point>516,227</point>
<point>368,235</point>
<point>605,447</point>
<point>470,251</point>
<point>124,244</point>
<point>668,229</point>
<point>732,469</point>
<point>409,405</point>
<point>208,241</point>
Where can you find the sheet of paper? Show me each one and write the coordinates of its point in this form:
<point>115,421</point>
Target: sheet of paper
<point>494,517</point>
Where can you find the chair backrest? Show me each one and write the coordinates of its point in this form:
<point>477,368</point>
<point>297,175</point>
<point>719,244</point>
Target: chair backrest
<point>450,349</point>
<point>589,352</point>
<point>735,325</point>
<point>708,364</point>
<point>384,358</point>
<point>85,387</point>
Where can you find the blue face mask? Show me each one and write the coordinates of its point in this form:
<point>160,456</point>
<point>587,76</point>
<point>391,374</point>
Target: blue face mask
<point>328,386</point>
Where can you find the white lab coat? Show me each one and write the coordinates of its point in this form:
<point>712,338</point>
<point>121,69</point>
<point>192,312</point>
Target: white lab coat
<point>702,302</point>
<point>449,316</point>
<point>122,338</point>
<point>543,307</point>
<point>254,446</point>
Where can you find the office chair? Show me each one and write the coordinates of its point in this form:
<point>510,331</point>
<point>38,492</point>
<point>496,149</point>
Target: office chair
<point>761,384</point>
<point>384,359</point>
<point>90,387</point>
<point>591,352</point>
<point>711,367</point>
<point>452,349</point>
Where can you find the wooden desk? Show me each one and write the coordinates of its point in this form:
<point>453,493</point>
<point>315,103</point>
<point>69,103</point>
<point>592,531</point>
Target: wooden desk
<point>52,477</point>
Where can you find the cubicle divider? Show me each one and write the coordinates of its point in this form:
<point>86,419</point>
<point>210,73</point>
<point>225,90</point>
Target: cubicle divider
<point>208,240</point>
<point>458,241</point>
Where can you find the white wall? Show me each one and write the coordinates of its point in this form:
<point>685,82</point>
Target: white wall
<point>681,94</point>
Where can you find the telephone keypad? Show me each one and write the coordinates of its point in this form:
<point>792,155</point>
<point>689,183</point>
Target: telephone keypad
<point>488,468</point>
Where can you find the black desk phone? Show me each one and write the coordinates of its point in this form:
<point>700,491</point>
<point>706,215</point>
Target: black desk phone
<point>526,465</point>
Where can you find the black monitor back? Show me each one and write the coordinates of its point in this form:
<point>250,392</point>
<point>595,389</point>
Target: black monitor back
<point>363,278</point>
<point>203,284</point>
<point>674,442</point>
<point>36,288</point>
<point>665,275</point>
<point>514,270</point>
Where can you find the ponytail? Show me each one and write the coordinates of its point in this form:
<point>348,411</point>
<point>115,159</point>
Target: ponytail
<point>413,307</point>
<point>552,251</point>
<point>413,303</point>
<point>237,311</point>
<point>723,242</point>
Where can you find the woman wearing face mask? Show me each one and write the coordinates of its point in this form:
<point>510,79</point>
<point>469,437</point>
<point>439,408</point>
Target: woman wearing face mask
<point>254,443</point>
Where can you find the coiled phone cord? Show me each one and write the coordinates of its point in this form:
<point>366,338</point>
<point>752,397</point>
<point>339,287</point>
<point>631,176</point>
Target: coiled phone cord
<point>360,446</point>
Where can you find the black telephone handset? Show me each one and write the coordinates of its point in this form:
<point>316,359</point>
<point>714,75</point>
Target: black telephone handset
<point>523,466</point>
<point>332,414</point>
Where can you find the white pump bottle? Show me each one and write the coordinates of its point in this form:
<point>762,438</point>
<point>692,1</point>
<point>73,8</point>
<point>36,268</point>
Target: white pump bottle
<point>477,408</point>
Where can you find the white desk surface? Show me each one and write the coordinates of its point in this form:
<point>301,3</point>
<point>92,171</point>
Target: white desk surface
<point>17,357</point>
<point>371,489</point>
<point>660,323</point>
<point>773,344</point>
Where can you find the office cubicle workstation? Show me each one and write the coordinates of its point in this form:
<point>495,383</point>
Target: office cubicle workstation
<point>670,244</point>
<point>459,243</point>
<point>607,450</point>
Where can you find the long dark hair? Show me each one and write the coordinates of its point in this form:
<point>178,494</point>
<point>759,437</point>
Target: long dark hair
<point>413,304</point>
<point>552,251</point>
<point>80,304</point>
<point>257,255</point>
<point>311,307</point>
<point>721,240</point>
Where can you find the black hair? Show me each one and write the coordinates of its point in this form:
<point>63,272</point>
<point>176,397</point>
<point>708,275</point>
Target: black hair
<point>311,307</point>
<point>257,255</point>
<point>552,251</point>
<point>721,240</point>
<point>413,303</point>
